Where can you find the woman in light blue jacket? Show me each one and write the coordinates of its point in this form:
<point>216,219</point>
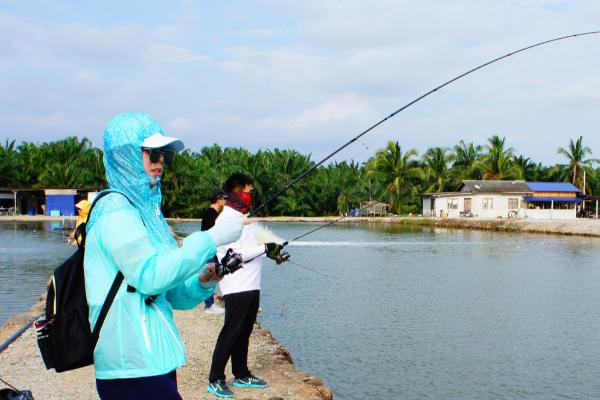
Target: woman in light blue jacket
<point>139,347</point>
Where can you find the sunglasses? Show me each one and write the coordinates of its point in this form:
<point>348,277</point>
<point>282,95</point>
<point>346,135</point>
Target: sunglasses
<point>155,155</point>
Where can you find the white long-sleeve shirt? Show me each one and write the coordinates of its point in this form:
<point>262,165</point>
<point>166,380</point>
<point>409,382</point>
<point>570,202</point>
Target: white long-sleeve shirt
<point>248,277</point>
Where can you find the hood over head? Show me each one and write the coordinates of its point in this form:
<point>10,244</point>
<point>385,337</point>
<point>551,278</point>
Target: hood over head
<point>123,138</point>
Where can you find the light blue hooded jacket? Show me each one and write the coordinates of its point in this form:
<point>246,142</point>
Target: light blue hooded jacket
<point>139,340</point>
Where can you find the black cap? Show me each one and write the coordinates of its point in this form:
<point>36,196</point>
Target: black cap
<point>217,195</point>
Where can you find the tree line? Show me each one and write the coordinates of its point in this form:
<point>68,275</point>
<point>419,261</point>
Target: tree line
<point>393,175</point>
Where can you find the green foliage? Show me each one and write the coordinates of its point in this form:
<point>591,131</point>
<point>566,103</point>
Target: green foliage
<point>437,170</point>
<point>67,163</point>
<point>498,162</point>
<point>398,173</point>
<point>392,175</point>
<point>466,162</point>
<point>578,167</point>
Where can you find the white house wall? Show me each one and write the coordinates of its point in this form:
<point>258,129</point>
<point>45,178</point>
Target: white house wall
<point>551,214</point>
<point>499,206</point>
<point>427,206</point>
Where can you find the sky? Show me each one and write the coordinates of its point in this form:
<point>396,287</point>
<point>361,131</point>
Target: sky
<point>306,75</point>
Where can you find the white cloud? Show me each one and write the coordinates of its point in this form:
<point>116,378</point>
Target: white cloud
<point>264,33</point>
<point>343,111</point>
<point>584,90</point>
<point>51,121</point>
<point>89,81</point>
<point>164,53</point>
<point>180,124</point>
<point>280,66</point>
<point>309,74</point>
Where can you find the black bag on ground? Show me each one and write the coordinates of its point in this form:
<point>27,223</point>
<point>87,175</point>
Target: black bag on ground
<point>65,339</point>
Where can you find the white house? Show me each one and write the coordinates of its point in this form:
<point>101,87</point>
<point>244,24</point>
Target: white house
<point>505,199</point>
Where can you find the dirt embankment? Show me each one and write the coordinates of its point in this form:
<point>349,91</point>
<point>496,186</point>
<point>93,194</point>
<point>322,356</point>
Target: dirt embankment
<point>580,227</point>
<point>22,366</point>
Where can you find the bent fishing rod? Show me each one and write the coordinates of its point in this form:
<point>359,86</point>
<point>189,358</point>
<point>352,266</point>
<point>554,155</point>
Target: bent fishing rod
<point>393,114</point>
<point>404,107</point>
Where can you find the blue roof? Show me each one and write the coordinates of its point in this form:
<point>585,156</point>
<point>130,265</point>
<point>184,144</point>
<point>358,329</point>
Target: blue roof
<point>531,199</point>
<point>552,187</point>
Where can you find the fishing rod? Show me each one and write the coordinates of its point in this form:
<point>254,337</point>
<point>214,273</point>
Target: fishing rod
<point>393,114</point>
<point>24,394</point>
<point>286,257</point>
<point>404,107</point>
<point>17,334</point>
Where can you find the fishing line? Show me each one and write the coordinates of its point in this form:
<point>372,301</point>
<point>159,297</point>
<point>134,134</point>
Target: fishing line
<point>404,107</point>
<point>308,268</point>
<point>393,114</point>
<point>322,226</point>
<point>305,234</point>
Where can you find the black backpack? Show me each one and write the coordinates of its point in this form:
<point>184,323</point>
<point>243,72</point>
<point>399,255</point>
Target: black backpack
<point>65,339</point>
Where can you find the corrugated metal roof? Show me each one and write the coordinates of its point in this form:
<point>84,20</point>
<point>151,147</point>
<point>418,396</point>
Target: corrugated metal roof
<point>554,199</point>
<point>483,186</point>
<point>552,187</point>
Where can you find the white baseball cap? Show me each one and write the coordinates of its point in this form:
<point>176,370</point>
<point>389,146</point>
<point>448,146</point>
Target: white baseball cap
<point>160,141</point>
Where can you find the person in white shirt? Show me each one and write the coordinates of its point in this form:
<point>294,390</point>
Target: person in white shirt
<point>241,292</point>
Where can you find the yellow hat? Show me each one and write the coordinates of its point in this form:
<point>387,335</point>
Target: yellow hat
<point>83,205</point>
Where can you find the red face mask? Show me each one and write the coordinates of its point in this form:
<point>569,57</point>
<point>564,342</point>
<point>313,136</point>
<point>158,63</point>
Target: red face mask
<point>240,201</point>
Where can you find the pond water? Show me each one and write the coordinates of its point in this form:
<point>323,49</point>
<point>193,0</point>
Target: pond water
<point>389,312</point>
<point>29,252</point>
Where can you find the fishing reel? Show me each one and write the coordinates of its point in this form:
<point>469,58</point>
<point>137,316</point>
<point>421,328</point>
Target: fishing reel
<point>275,252</point>
<point>282,257</point>
<point>13,394</point>
<point>230,263</point>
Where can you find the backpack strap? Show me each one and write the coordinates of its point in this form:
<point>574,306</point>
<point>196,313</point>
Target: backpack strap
<point>114,288</point>
<point>106,306</point>
<point>80,231</point>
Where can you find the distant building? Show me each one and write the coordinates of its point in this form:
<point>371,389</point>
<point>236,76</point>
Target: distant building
<point>52,202</point>
<point>505,199</point>
<point>373,209</point>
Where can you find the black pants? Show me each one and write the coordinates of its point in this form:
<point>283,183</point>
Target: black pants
<point>240,315</point>
<point>162,387</point>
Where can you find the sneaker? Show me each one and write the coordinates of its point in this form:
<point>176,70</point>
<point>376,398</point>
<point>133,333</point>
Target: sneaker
<point>220,389</point>
<point>250,381</point>
<point>214,309</point>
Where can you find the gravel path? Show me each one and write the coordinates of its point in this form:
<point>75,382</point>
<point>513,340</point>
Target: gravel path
<point>22,366</point>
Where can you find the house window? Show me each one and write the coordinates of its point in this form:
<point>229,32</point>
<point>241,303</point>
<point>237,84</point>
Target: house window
<point>452,204</point>
<point>488,204</point>
<point>513,203</point>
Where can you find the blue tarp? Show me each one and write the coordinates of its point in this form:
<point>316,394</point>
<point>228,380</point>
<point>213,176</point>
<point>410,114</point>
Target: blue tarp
<point>531,199</point>
<point>552,187</point>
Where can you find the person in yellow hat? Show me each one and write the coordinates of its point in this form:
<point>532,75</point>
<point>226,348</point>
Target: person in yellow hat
<point>83,209</point>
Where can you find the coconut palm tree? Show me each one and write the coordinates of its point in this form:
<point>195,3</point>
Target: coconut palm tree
<point>437,172</point>
<point>578,164</point>
<point>466,158</point>
<point>9,164</point>
<point>348,185</point>
<point>398,173</point>
<point>526,167</point>
<point>291,205</point>
<point>497,163</point>
<point>65,163</point>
